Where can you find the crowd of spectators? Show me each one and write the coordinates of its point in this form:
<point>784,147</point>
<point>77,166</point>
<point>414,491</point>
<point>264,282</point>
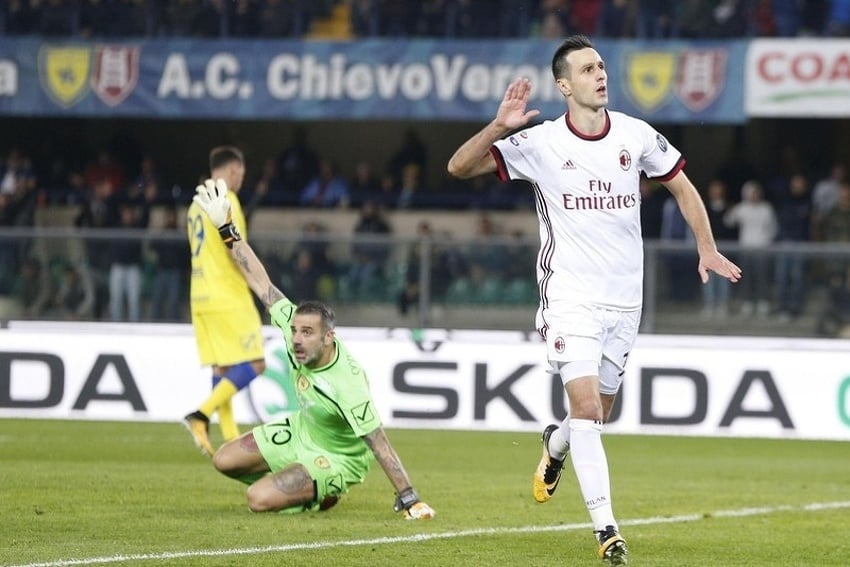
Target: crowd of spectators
<point>106,282</point>
<point>78,172</point>
<point>117,277</point>
<point>161,18</point>
<point>770,219</point>
<point>302,176</point>
<point>429,18</point>
<point>116,189</point>
<point>600,18</point>
<point>790,206</point>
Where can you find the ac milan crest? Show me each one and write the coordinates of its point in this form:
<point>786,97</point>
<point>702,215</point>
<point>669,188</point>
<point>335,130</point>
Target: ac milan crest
<point>559,344</point>
<point>625,160</point>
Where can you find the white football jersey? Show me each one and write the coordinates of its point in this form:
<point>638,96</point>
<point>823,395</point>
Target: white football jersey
<point>588,205</point>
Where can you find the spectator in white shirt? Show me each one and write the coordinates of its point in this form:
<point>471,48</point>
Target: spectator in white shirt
<point>757,227</point>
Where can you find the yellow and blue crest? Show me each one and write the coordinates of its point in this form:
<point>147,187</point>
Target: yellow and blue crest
<point>64,73</point>
<point>649,78</point>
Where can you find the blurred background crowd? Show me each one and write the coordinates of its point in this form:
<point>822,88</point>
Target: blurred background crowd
<point>427,18</point>
<point>787,225</point>
<point>759,219</point>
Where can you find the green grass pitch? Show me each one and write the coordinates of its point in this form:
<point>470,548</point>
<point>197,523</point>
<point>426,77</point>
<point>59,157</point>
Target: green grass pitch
<point>104,493</point>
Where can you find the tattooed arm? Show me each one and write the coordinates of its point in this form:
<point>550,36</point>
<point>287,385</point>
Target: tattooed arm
<point>407,500</point>
<point>388,459</point>
<point>254,273</point>
<point>211,197</point>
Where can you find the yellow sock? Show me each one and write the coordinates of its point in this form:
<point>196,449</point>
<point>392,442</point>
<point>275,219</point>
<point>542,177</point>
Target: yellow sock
<point>229,428</point>
<point>223,391</point>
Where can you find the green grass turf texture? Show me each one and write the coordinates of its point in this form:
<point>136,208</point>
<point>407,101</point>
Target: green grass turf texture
<point>74,491</point>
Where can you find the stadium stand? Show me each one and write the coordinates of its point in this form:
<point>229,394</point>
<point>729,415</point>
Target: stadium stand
<point>57,180</point>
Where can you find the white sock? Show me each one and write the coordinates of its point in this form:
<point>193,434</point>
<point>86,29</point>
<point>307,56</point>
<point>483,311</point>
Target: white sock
<point>591,467</point>
<point>559,441</point>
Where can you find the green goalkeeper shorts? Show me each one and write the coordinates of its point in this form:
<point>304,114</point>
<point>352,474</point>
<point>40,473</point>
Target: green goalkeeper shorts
<point>281,446</point>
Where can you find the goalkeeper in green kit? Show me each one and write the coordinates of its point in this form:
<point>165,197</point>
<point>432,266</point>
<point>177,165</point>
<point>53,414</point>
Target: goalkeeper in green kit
<point>309,459</point>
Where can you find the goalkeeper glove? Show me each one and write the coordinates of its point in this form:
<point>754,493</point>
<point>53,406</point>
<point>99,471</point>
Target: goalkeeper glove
<point>414,509</point>
<point>211,197</point>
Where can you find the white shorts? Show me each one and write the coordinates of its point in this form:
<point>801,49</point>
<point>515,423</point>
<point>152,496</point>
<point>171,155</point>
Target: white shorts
<point>589,341</point>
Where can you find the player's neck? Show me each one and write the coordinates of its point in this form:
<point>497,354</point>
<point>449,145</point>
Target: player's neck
<point>588,121</point>
<point>327,357</point>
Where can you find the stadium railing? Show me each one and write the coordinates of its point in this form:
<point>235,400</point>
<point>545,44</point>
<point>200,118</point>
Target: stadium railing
<point>464,282</point>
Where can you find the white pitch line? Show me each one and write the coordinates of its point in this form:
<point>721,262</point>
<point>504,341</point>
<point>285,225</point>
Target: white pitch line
<point>741,512</point>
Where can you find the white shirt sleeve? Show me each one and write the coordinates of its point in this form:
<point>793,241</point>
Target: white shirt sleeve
<point>660,157</point>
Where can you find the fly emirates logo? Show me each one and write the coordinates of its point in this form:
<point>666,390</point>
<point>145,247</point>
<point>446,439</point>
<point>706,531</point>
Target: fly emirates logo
<point>600,198</point>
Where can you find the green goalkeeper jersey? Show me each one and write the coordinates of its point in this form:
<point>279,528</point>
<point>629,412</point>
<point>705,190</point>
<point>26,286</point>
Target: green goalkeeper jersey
<point>335,400</point>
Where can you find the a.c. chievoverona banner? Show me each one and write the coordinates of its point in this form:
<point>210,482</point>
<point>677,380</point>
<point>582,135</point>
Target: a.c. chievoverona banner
<point>680,82</point>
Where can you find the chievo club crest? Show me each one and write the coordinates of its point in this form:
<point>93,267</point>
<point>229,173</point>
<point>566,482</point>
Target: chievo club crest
<point>700,77</point>
<point>649,76</point>
<point>695,76</point>
<point>115,72</point>
<point>64,73</point>
<point>68,72</point>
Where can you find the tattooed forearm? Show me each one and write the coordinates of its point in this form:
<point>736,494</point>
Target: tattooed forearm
<point>255,274</point>
<point>272,296</point>
<point>241,260</point>
<point>388,459</point>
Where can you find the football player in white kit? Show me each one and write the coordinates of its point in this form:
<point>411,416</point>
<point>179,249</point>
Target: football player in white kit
<point>585,168</point>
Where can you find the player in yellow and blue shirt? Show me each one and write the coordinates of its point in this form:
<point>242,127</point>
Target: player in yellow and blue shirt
<point>226,323</point>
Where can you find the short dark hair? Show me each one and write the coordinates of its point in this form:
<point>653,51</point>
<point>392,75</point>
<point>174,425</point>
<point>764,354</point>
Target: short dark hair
<point>312,307</point>
<point>560,67</point>
<point>223,155</point>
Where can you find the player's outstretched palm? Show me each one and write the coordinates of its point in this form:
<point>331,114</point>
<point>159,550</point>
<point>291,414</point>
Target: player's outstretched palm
<point>212,198</point>
<point>512,113</point>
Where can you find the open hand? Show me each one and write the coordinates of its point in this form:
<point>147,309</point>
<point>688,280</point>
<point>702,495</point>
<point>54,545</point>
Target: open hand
<point>212,198</point>
<point>512,113</point>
